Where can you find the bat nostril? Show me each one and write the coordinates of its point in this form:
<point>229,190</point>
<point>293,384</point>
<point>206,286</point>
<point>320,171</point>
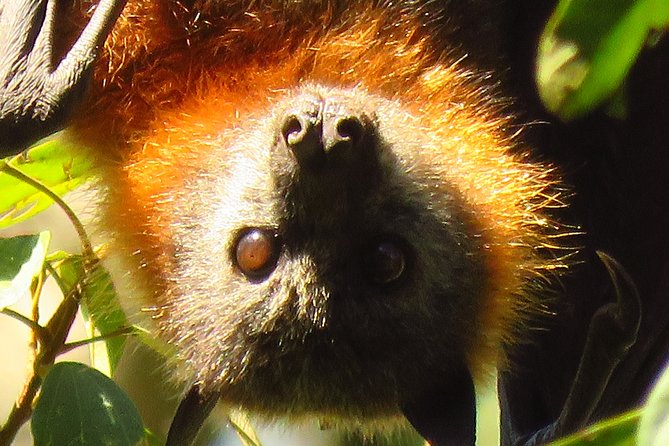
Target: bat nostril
<point>293,130</point>
<point>343,134</point>
<point>350,128</point>
<point>343,137</point>
<point>302,136</point>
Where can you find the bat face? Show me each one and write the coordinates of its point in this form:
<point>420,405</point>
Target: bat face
<point>325,219</point>
<point>321,265</point>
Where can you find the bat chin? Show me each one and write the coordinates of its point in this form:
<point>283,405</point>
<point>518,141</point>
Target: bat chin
<point>444,414</point>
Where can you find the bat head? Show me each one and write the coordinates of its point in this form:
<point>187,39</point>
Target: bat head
<point>321,265</point>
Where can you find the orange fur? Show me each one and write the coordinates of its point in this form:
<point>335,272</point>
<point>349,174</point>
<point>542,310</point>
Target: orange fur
<point>171,81</point>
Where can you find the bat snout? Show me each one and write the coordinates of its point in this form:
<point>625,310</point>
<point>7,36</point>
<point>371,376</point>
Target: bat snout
<point>328,133</point>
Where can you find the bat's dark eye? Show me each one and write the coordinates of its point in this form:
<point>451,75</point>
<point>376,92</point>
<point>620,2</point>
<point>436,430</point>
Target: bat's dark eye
<point>256,252</point>
<point>386,262</point>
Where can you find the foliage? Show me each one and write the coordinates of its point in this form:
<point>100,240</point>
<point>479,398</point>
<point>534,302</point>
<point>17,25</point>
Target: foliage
<point>56,163</point>
<point>654,425</point>
<point>80,406</point>
<point>70,403</point>
<point>21,265</point>
<point>589,46</point>
<point>617,431</point>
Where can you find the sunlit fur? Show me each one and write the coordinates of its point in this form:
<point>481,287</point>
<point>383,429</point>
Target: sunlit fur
<point>174,82</point>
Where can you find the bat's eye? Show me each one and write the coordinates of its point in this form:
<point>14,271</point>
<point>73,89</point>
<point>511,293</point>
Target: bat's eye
<point>256,252</point>
<point>386,262</point>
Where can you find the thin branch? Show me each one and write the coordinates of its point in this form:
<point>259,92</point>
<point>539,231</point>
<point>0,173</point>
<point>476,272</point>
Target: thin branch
<point>72,345</point>
<point>58,327</point>
<point>21,410</point>
<point>34,326</point>
<point>35,293</point>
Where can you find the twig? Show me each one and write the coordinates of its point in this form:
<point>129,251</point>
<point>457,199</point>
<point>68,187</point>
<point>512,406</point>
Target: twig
<point>21,410</point>
<point>58,327</point>
<point>36,328</point>
<point>72,345</point>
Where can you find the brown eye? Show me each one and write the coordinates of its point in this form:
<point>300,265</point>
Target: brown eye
<point>386,262</point>
<point>256,252</point>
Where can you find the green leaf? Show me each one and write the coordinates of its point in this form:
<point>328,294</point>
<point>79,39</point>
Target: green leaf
<point>659,14</point>
<point>618,431</point>
<point>243,427</point>
<point>588,47</point>
<point>100,306</point>
<point>654,426</point>
<point>57,163</point>
<point>156,344</point>
<point>21,260</point>
<point>151,439</point>
<point>79,406</point>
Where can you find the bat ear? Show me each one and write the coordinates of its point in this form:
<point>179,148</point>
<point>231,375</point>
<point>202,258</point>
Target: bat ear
<point>446,415</point>
<point>193,410</point>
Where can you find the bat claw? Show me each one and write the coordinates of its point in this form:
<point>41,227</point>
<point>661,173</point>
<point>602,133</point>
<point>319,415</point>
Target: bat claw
<point>35,99</point>
<point>612,331</point>
<point>625,313</point>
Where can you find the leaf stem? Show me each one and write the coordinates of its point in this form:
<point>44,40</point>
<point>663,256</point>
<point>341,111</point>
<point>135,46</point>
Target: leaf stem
<point>34,326</point>
<point>39,335</point>
<point>72,345</point>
